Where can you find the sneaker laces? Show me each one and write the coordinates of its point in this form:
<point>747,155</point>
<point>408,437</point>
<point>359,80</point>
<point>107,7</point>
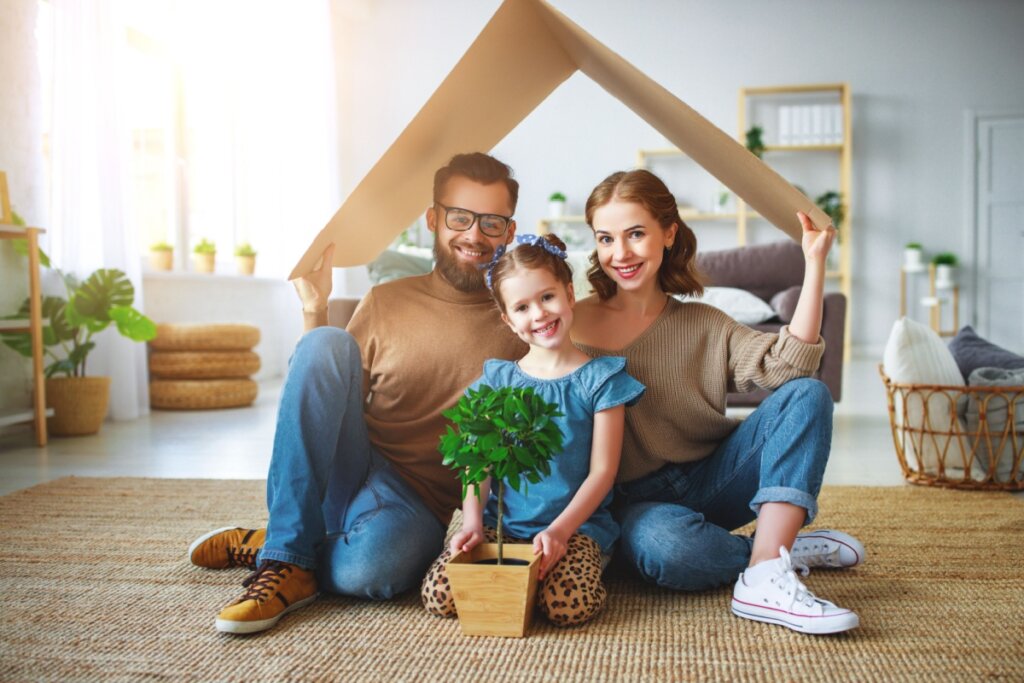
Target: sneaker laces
<point>790,583</point>
<point>242,556</point>
<point>827,556</point>
<point>262,582</point>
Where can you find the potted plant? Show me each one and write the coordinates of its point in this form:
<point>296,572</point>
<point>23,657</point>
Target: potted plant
<point>556,205</point>
<point>245,259</point>
<point>831,203</point>
<point>161,256</point>
<point>945,263</point>
<point>755,142</point>
<point>507,435</point>
<point>912,253</point>
<point>204,255</point>
<point>80,402</point>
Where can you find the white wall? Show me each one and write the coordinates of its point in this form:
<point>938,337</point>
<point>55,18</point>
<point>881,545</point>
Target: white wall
<point>21,157</point>
<point>914,66</point>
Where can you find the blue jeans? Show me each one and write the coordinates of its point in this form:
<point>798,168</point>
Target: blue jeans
<point>335,504</point>
<point>676,522</point>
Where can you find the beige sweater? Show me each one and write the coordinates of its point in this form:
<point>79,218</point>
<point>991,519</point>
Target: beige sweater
<point>689,359</point>
<point>423,342</point>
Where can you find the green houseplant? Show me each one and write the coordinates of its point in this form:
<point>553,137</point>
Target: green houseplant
<point>161,256</point>
<point>245,259</point>
<point>945,263</point>
<point>755,141</point>
<point>556,205</point>
<point>204,255</point>
<point>912,252</point>
<point>86,308</point>
<point>510,436</point>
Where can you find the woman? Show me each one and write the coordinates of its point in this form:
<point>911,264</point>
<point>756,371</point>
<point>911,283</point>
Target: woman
<point>689,474</point>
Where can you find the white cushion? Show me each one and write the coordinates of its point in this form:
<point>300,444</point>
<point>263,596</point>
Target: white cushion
<point>915,354</point>
<point>741,305</point>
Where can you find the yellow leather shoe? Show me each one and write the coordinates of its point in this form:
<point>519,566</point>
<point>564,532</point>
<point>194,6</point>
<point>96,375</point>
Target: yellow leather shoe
<point>273,590</point>
<point>227,547</point>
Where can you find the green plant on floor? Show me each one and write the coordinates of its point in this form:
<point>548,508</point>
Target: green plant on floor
<point>755,141</point>
<point>87,308</point>
<point>245,250</point>
<point>507,434</point>
<point>205,246</point>
<point>945,258</point>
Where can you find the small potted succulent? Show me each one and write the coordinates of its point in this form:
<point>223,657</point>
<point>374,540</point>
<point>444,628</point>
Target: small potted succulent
<point>912,253</point>
<point>204,255</point>
<point>556,205</point>
<point>945,263</point>
<point>245,259</point>
<point>507,436</point>
<point>161,256</point>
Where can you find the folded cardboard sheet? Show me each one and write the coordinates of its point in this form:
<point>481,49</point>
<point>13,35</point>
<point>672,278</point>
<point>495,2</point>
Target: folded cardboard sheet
<point>525,51</point>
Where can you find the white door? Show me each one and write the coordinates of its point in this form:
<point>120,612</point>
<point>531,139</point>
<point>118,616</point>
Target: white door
<point>999,233</point>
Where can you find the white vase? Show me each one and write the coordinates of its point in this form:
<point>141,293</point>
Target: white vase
<point>944,276</point>
<point>556,209</point>
<point>912,260</point>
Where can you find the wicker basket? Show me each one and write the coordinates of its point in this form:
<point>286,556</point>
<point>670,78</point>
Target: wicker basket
<point>203,364</point>
<point>201,394</point>
<point>79,404</point>
<point>958,436</point>
<point>225,337</point>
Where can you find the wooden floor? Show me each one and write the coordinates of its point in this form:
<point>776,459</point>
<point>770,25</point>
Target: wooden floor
<point>236,444</point>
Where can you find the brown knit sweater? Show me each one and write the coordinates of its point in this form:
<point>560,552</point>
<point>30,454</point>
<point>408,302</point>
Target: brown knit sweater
<point>423,342</point>
<point>689,359</point>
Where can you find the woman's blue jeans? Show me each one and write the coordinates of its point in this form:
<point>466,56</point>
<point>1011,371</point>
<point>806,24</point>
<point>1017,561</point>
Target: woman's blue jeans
<point>676,522</point>
<point>335,504</point>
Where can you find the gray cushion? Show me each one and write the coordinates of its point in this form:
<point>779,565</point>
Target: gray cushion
<point>784,302</point>
<point>972,352</point>
<point>998,446</point>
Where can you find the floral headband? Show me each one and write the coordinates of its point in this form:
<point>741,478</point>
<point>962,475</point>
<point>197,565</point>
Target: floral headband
<point>533,241</point>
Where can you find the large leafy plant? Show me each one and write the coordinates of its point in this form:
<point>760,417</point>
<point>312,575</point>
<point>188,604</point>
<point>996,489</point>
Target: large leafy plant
<point>507,434</point>
<point>88,308</point>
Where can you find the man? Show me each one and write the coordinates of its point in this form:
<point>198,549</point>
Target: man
<point>358,498</point>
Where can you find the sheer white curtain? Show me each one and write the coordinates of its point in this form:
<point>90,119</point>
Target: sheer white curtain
<point>89,155</point>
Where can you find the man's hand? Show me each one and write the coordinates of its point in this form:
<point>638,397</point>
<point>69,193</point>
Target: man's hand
<point>314,288</point>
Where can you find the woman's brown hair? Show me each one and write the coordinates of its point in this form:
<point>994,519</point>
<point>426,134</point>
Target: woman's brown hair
<point>678,273</point>
<point>532,257</point>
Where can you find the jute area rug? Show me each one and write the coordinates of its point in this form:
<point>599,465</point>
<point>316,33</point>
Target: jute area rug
<point>95,586</point>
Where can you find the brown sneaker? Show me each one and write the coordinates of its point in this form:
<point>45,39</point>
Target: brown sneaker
<point>227,547</point>
<point>274,589</point>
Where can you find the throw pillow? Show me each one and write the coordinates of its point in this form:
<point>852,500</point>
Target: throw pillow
<point>392,265</point>
<point>994,446</point>
<point>972,352</point>
<point>784,303</point>
<point>740,304</point>
<point>928,419</point>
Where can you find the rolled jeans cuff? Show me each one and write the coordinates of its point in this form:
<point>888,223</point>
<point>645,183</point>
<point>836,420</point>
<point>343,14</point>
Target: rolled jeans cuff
<point>290,558</point>
<point>784,494</point>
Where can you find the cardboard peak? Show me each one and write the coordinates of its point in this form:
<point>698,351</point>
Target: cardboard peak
<point>525,51</point>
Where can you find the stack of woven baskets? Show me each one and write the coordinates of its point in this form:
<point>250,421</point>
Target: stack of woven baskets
<point>198,367</point>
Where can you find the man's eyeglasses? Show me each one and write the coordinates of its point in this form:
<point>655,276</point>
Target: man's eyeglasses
<point>461,220</point>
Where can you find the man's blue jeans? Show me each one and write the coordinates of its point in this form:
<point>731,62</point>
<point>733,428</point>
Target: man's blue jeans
<point>676,522</point>
<point>335,504</point>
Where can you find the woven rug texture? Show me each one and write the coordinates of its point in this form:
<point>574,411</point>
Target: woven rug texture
<point>95,586</point>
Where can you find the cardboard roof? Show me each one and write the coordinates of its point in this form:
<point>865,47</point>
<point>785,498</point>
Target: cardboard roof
<point>525,51</point>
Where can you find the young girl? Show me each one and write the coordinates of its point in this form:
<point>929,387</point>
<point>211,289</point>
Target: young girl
<point>567,514</point>
<point>689,473</point>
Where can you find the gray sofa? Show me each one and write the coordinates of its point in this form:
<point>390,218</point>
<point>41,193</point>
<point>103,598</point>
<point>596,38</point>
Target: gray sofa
<point>772,272</point>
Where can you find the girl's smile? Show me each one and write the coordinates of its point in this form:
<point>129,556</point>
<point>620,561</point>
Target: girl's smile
<point>538,307</point>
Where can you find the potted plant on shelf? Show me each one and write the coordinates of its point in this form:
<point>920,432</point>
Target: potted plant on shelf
<point>556,205</point>
<point>755,141</point>
<point>945,263</point>
<point>80,402</point>
<point>831,203</point>
<point>245,259</point>
<point>161,256</point>
<point>204,255</point>
<point>507,435</point>
<point>912,253</point>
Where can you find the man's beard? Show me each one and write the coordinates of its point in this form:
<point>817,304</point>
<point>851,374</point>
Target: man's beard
<point>465,277</point>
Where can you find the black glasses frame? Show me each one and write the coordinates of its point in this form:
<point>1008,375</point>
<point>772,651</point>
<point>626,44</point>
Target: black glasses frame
<point>476,219</point>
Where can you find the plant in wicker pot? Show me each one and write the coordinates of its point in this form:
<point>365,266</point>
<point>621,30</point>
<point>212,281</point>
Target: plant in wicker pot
<point>204,256</point>
<point>161,256</point>
<point>88,307</point>
<point>245,259</point>
<point>507,435</point>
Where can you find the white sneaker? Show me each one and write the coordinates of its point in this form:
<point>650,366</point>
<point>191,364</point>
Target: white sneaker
<point>827,548</point>
<point>782,599</point>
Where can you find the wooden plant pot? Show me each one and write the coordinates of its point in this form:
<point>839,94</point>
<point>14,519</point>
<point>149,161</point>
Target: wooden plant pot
<point>494,600</point>
<point>79,404</point>
<point>161,260</point>
<point>246,264</point>
<point>203,262</point>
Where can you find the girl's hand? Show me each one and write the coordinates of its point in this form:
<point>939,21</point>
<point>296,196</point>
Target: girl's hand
<point>467,539</point>
<point>553,543</point>
<point>816,243</point>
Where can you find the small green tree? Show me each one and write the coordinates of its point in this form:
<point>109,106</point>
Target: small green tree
<point>507,434</point>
